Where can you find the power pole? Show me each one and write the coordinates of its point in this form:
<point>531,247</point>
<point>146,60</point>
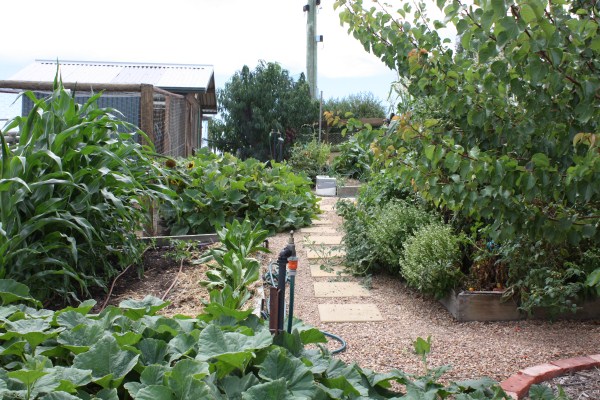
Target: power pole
<point>311,45</point>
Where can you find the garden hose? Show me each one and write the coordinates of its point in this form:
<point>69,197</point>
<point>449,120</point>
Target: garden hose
<point>339,339</point>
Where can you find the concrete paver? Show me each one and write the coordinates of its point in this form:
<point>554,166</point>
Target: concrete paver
<point>340,289</point>
<point>322,230</point>
<point>349,313</point>
<point>317,272</point>
<point>319,222</point>
<point>320,239</point>
<point>324,254</point>
<point>327,207</point>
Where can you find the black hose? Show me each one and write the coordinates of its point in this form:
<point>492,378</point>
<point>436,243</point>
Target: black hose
<point>339,339</point>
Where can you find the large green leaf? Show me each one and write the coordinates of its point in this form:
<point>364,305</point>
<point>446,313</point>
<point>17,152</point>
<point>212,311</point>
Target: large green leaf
<point>136,309</point>
<point>154,351</point>
<point>82,337</point>
<point>107,361</point>
<point>234,386</point>
<point>35,331</point>
<point>60,396</point>
<point>62,379</point>
<point>12,291</point>
<point>232,348</point>
<point>186,380</point>
<point>277,365</point>
<point>154,392</point>
<point>271,390</point>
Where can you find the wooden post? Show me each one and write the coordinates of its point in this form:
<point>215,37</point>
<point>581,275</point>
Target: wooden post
<point>147,111</point>
<point>147,126</point>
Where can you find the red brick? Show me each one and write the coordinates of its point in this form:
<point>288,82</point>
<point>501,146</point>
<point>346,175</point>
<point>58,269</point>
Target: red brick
<point>576,363</point>
<point>519,384</point>
<point>542,372</point>
<point>595,357</point>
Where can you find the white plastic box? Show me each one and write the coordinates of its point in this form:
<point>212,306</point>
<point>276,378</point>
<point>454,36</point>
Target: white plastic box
<point>326,186</point>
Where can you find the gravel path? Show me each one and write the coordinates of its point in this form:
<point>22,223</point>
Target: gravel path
<point>473,349</point>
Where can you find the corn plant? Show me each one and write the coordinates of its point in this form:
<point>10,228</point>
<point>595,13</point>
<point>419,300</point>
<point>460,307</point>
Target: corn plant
<point>72,195</point>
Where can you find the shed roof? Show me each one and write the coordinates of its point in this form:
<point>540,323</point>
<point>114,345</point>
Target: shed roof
<point>186,78</point>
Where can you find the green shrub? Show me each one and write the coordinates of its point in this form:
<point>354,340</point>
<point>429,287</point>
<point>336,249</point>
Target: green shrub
<point>310,158</point>
<point>354,160</point>
<point>72,196</point>
<point>383,188</point>
<point>360,256</point>
<point>430,261</point>
<point>213,190</point>
<point>549,276</point>
<point>392,225</point>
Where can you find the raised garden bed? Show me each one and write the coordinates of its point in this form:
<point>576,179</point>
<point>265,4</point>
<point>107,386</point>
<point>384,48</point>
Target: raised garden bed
<point>348,191</point>
<point>492,306</point>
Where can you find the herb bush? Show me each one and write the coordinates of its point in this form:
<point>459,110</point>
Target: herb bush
<point>393,223</point>
<point>360,256</point>
<point>430,261</point>
<point>132,352</point>
<point>215,189</point>
<point>72,195</point>
<point>310,158</point>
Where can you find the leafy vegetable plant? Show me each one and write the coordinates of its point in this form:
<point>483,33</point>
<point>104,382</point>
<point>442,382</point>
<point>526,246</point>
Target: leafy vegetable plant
<point>235,269</point>
<point>213,190</point>
<point>132,352</point>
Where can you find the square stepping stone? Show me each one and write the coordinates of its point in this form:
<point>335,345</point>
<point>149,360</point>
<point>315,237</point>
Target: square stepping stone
<point>323,230</point>
<point>317,272</point>
<point>349,313</point>
<point>340,289</point>
<point>324,254</point>
<point>318,239</point>
<point>319,222</point>
<point>327,207</point>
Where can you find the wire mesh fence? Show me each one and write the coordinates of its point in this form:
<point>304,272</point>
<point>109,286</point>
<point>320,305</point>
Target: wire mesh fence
<point>168,127</point>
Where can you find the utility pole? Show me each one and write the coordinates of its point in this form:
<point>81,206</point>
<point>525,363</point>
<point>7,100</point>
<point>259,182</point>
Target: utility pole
<point>311,45</point>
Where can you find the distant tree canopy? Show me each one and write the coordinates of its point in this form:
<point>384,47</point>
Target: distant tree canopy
<point>254,103</point>
<point>361,105</point>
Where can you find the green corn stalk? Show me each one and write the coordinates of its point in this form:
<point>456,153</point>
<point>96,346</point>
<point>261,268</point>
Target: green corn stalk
<point>72,196</point>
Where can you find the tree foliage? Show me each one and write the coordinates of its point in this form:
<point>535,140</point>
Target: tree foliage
<point>361,105</point>
<point>519,145</point>
<point>254,103</point>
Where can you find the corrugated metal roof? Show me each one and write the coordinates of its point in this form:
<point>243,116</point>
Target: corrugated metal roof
<point>174,77</point>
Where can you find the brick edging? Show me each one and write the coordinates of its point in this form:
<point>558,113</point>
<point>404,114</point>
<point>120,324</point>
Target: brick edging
<point>517,386</point>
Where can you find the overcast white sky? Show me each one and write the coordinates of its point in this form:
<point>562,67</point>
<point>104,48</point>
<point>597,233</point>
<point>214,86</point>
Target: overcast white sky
<point>225,33</point>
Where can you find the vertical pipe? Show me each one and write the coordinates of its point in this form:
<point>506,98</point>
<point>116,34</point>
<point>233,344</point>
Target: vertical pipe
<point>291,313</point>
<point>311,48</point>
<point>281,263</point>
<point>320,116</point>
<point>292,267</point>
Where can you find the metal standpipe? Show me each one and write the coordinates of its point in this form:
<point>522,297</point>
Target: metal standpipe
<point>287,252</point>
<point>292,267</point>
